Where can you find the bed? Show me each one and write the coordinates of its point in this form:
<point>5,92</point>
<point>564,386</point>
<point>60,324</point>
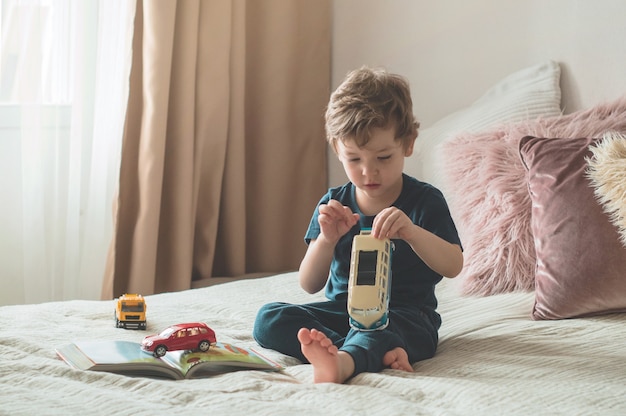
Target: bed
<point>521,334</point>
<point>492,359</point>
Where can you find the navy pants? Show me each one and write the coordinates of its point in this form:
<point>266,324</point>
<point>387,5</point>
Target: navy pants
<point>277,325</point>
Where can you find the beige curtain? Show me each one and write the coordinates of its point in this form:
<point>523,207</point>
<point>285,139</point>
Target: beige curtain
<point>224,156</point>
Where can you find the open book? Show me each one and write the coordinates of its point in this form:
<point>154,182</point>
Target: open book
<point>125,357</point>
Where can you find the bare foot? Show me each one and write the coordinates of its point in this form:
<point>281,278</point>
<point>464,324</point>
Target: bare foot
<point>397,359</point>
<point>329,364</point>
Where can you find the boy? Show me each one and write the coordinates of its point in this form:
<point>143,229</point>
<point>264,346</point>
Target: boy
<point>371,127</point>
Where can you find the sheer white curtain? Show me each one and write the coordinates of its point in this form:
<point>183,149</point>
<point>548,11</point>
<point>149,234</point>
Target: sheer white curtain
<point>64,67</point>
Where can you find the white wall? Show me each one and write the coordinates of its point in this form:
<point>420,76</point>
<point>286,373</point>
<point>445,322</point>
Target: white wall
<point>453,50</point>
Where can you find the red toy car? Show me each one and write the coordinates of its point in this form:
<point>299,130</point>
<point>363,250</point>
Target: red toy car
<point>189,336</point>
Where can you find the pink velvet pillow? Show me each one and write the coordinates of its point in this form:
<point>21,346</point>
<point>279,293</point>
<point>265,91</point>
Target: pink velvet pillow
<point>581,263</point>
<point>486,188</point>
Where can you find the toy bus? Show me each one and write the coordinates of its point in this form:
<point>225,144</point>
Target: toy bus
<point>369,284</point>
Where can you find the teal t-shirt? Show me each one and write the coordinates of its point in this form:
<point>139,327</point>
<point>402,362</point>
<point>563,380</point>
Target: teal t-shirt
<point>413,282</point>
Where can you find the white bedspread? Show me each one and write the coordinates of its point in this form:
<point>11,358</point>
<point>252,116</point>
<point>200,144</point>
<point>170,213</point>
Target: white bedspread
<point>492,359</point>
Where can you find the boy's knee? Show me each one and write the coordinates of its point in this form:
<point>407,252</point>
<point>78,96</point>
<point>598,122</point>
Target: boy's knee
<point>268,312</point>
<point>265,320</point>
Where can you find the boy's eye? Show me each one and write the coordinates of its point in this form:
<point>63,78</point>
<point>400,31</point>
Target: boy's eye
<point>354,159</point>
<point>384,157</point>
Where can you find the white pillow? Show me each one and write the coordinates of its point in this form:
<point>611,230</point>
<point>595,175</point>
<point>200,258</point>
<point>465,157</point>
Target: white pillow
<point>523,95</point>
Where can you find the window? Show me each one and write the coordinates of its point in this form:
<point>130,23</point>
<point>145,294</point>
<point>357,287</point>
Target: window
<point>64,68</point>
<point>42,27</point>
<point>366,273</point>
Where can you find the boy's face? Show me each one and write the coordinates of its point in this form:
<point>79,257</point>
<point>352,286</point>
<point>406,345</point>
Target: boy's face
<point>375,169</point>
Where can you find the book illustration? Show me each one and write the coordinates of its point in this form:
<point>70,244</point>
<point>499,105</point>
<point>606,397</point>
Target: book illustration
<point>125,357</point>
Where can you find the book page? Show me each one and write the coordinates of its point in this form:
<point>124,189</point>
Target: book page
<point>122,357</point>
<point>221,357</point>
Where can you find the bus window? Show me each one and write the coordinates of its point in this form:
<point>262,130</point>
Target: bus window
<point>366,273</point>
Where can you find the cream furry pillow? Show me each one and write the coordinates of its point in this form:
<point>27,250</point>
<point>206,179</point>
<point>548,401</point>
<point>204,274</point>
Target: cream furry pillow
<point>607,172</point>
<point>488,195</point>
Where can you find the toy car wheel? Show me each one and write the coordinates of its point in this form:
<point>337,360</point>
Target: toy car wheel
<point>204,345</point>
<point>160,351</point>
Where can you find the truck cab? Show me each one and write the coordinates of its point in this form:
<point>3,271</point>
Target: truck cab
<point>130,311</point>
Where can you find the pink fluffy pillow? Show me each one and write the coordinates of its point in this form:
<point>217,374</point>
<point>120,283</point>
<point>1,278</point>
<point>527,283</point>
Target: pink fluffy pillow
<point>581,263</point>
<point>486,187</point>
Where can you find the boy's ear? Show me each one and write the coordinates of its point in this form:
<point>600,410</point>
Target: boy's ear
<point>409,149</point>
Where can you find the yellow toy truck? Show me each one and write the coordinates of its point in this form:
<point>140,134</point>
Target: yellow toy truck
<point>130,311</point>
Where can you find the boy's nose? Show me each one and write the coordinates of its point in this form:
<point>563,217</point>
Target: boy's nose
<point>369,169</point>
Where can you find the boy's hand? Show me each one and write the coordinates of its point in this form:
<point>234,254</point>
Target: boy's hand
<point>335,220</point>
<point>438,254</point>
<point>392,223</point>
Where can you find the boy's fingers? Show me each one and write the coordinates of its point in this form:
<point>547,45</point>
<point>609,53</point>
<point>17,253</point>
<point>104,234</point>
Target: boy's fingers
<point>334,204</point>
<point>330,211</point>
<point>341,211</point>
<point>349,216</point>
<point>335,212</point>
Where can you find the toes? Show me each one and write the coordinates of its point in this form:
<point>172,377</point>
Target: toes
<point>317,335</point>
<point>325,342</point>
<point>304,336</point>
